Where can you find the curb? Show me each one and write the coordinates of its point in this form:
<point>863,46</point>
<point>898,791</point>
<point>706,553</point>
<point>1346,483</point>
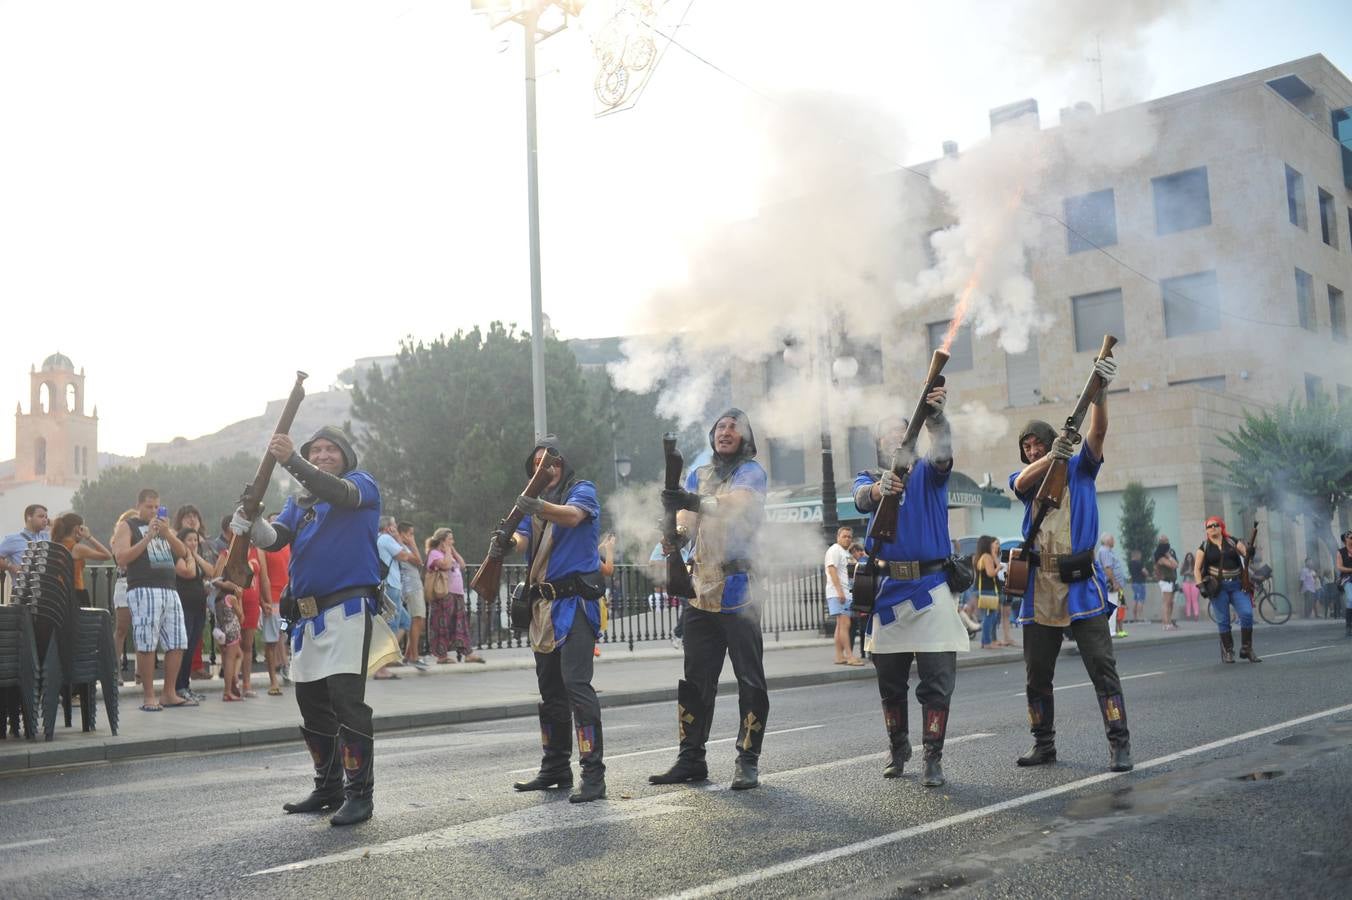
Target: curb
<point>115,749</point>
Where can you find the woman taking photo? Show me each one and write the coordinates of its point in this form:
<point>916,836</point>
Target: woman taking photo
<point>190,575</point>
<point>986,562</point>
<point>69,531</point>
<point>1218,566</point>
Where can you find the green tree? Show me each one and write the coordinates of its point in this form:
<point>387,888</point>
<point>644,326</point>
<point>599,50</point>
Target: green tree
<point>214,489</point>
<point>1295,461</point>
<point>1137,525</point>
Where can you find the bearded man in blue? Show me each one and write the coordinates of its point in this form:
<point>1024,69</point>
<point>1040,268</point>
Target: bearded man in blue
<point>915,614</point>
<point>723,507</point>
<point>1067,589</point>
<point>560,534</point>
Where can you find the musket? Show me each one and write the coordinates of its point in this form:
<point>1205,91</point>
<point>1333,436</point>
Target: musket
<point>1053,485</point>
<point>678,576</point>
<point>884,527</point>
<point>251,501</point>
<point>1245,576</point>
<point>489,576</point>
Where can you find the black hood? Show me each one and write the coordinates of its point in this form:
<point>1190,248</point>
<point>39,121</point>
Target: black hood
<point>726,465</point>
<point>559,492</point>
<point>336,435</point>
<point>1040,430</point>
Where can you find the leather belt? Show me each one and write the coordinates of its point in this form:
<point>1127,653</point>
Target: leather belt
<point>313,606</point>
<point>569,586</point>
<point>1224,574</point>
<point>1047,560</point>
<point>911,569</point>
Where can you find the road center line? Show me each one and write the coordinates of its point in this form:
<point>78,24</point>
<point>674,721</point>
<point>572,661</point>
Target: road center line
<point>1289,652</point>
<point>33,843</point>
<point>895,837</point>
<point>1067,687</point>
<point>674,749</point>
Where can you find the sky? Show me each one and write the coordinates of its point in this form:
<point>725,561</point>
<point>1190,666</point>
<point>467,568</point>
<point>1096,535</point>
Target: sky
<point>197,199</point>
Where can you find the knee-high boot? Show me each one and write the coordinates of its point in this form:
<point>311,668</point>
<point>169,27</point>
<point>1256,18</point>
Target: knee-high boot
<point>1246,645</point>
<point>1227,647</point>
<point>556,743</point>
<point>328,791</point>
<point>590,752</point>
<point>898,739</point>
<point>1114,712</point>
<point>359,770</point>
<point>750,735</point>
<point>1042,720</point>
<point>693,720</point>
<point>936,727</point>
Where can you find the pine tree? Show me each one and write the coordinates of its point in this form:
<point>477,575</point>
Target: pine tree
<point>1137,525</point>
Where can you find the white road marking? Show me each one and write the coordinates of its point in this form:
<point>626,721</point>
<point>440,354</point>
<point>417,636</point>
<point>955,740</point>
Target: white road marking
<point>674,749</point>
<point>1289,652</point>
<point>1067,687</point>
<point>32,843</point>
<point>895,837</point>
<point>875,757</point>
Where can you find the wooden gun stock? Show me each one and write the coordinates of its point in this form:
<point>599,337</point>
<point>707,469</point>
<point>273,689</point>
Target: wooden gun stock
<point>1245,576</point>
<point>237,557</point>
<point>678,576</point>
<point>884,527</point>
<point>489,577</point>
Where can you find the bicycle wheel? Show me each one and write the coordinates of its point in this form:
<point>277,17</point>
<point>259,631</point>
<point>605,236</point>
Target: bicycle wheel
<point>1274,608</point>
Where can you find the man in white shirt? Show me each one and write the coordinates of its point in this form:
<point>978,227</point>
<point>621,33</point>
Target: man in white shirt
<point>837,563</point>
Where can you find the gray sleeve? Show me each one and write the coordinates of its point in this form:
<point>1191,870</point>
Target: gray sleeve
<point>329,488</point>
<point>863,498</point>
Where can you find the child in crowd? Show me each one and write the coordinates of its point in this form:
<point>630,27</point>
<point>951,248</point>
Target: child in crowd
<point>227,635</point>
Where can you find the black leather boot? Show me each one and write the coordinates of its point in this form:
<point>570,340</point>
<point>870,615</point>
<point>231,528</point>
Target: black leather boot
<point>1042,719</point>
<point>692,727</point>
<point>898,739</point>
<point>750,735</point>
<point>1227,647</point>
<point>359,769</point>
<point>1246,645</point>
<point>556,770</point>
<point>1114,712</point>
<point>328,792</point>
<point>936,726</point>
<point>590,746</point>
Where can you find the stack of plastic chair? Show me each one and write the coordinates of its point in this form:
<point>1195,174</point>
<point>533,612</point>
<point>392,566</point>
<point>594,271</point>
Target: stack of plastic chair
<point>75,644</point>
<point>19,678</point>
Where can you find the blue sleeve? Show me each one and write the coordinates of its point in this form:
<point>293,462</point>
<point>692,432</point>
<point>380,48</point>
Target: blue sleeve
<point>1086,464</point>
<point>583,496</point>
<point>366,486</point>
<point>290,515</point>
<point>524,528</point>
<point>935,476</point>
<point>750,477</point>
<point>1025,497</point>
<point>863,479</point>
<point>692,481</point>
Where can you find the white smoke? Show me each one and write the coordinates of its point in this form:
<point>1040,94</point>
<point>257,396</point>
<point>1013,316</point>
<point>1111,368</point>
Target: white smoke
<point>975,427</point>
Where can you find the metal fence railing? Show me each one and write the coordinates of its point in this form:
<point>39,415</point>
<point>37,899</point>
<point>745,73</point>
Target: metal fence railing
<point>792,601</point>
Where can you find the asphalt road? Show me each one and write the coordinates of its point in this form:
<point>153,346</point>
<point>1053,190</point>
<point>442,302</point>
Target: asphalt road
<point>1243,787</point>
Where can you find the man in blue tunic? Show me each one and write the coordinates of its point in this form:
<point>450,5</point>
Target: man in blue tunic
<point>915,615</point>
<point>723,506</point>
<point>560,534</point>
<point>334,574</point>
<point>1066,585</point>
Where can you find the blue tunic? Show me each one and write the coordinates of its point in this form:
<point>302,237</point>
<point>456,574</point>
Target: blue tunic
<point>922,535</point>
<point>335,548</point>
<point>739,532</point>
<point>1085,599</point>
<point>574,553</point>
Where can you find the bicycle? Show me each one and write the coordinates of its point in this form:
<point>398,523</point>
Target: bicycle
<point>1274,608</point>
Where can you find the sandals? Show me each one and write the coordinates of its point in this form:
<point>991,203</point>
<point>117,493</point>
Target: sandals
<point>151,707</point>
<point>274,691</point>
<point>181,703</point>
<point>446,661</point>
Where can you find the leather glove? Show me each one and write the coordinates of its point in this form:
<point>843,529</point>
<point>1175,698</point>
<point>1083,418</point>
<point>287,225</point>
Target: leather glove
<point>531,506</point>
<point>1062,448</point>
<point>498,544</point>
<point>675,499</point>
<point>889,485</point>
<point>260,530</point>
<point>1106,369</point>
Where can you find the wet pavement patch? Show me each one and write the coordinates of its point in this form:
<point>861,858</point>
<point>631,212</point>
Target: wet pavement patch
<point>1299,740</point>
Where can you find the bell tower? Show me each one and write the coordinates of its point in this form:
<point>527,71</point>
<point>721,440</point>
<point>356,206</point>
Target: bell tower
<point>56,442</point>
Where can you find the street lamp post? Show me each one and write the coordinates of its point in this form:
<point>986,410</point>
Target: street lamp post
<point>841,368</point>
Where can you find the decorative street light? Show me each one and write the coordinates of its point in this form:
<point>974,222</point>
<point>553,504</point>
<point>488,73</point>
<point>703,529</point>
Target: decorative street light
<point>528,14</point>
<point>623,466</point>
<point>841,369</point>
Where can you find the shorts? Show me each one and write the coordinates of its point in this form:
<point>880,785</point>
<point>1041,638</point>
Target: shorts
<point>120,594</point>
<point>837,606</point>
<point>156,616</point>
<point>1166,587</point>
<point>1138,591</point>
<point>415,604</point>
<point>252,609</point>
<point>271,626</point>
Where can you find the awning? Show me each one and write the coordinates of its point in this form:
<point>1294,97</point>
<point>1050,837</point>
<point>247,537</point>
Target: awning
<point>803,503</point>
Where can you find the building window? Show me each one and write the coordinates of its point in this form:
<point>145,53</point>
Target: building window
<point>786,462</point>
<point>1328,219</point>
<point>1091,221</point>
<point>1095,315</point>
<point>1305,300</point>
<point>863,452</point>
<point>40,457</point>
<point>1182,201</point>
<point>1295,198</point>
<point>960,354</point>
<point>77,459</point>
<point>1023,375</point>
<point>1337,314</point>
<point>1314,386</point>
<point>1214,383</point>
<point>1192,304</point>
<point>84,460</point>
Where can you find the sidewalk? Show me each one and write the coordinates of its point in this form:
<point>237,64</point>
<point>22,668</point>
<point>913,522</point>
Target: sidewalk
<point>502,688</point>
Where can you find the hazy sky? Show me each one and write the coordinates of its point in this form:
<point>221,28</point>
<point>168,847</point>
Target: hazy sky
<point>198,198</point>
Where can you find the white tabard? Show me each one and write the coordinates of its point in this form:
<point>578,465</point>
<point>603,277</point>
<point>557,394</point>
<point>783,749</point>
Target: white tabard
<point>935,629</point>
<point>330,643</point>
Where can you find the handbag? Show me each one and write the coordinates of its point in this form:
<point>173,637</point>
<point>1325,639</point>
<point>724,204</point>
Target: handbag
<point>1210,587</point>
<point>520,607</point>
<point>436,584</point>
<point>959,573</point>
